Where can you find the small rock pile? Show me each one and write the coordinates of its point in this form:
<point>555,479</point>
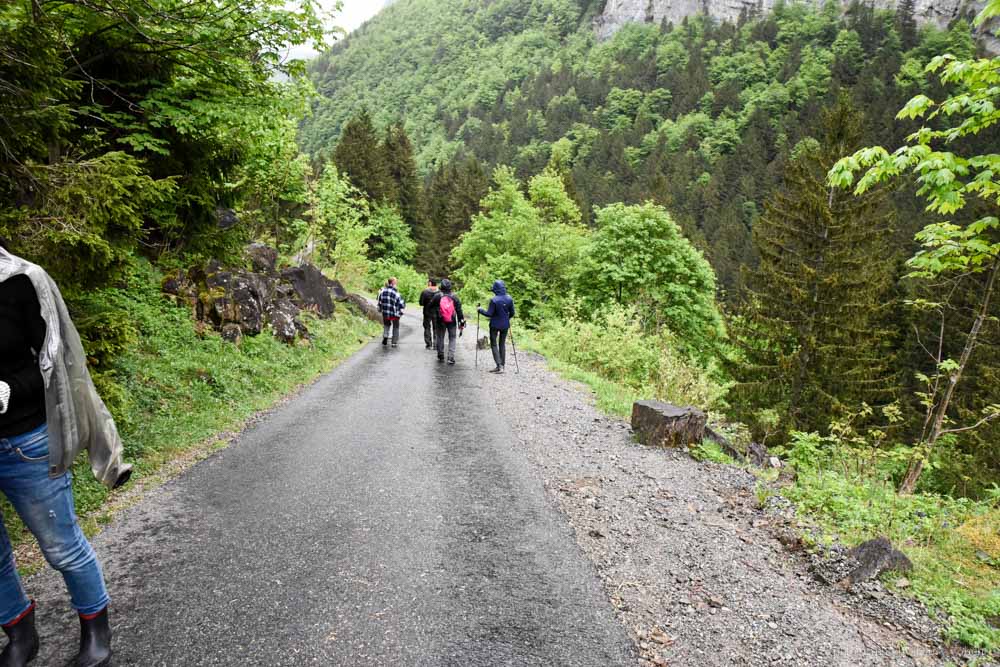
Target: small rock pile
<point>237,302</point>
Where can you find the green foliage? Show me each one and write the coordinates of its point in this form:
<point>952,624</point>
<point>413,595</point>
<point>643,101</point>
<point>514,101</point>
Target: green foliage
<point>638,256</point>
<point>127,122</point>
<point>710,451</point>
<point>339,230</point>
<point>614,346</point>
<point>813,336</point>
<point>949,251</point>
<point>390,235</point>
<point>411,283</point>
<point>533,243</point>
<point>851,497</point>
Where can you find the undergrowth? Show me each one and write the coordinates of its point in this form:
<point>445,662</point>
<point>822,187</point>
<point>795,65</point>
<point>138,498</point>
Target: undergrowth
<point>171,387</point>
<point>954,543</point>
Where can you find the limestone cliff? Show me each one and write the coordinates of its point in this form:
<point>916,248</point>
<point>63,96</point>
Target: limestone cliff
<point>619,12</point>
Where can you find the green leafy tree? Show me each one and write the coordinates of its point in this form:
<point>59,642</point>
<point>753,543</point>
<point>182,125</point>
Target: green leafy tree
<point>948,250</point>
<point>534,243</point>
<point>127,120</point>
<point>639,257</point>
<point>339,230</point>
<point>390,236</point>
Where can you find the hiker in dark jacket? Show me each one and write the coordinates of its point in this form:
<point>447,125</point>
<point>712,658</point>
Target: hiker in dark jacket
<point>425,302</point>
<point>391,305</point>
<point>448,317</point>
<point>500,311</point>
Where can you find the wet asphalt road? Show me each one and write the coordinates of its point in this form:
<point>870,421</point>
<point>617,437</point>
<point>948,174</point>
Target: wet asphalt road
<point>381,518</point>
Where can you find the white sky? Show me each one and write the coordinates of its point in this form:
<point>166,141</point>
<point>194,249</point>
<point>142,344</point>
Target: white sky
<point>352,15</point>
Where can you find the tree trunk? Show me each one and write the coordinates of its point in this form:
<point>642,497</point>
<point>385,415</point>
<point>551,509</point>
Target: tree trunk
<point>916,466</point>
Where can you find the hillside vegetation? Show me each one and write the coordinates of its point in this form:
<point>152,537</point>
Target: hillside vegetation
<point>672,209</point>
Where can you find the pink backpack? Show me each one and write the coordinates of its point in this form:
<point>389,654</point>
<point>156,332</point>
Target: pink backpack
<point>447,308</point>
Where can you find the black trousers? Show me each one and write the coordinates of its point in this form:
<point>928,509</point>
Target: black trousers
<point>499,352</point>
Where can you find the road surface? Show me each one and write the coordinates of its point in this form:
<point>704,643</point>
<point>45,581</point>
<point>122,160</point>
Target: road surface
<point>380,518</point>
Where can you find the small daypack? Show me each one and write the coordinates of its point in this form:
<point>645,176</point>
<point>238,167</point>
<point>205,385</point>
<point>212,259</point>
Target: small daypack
<point>447,308</point>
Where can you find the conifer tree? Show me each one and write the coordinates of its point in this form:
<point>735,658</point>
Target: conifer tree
<point>360,156</point>
<point>403,172</point>
<point>811,332</point>
<point>453,197</point>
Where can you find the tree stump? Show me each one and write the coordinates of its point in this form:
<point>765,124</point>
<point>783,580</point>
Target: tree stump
<point>658,424</point>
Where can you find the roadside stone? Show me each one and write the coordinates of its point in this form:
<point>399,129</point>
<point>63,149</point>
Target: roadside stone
<point>873,558</point>
<point>231,333</point>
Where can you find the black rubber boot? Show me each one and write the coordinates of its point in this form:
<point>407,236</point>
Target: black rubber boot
<point>23,645</point>
<point>95,641</point>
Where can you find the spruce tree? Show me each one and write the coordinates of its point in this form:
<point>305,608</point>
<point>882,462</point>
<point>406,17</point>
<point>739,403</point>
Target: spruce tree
<point>361,157</point>
<point>403,172</point>
<point>811,333</point>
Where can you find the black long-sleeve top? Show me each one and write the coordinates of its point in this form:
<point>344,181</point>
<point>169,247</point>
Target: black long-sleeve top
<point>22,332</point>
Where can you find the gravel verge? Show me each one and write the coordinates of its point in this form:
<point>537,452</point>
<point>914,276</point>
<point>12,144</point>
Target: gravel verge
<point>695,569</point>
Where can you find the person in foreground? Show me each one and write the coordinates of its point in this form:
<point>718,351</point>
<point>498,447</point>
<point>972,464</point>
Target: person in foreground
<point>391,305</point>
<point>49,412</point>
<point>448,318</point>
<point>425,302</point>
<point>500,312</point>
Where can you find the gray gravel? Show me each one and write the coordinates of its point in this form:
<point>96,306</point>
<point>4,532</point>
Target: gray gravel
<point>694,569</point>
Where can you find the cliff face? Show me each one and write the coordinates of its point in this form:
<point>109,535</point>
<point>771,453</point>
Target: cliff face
<point>619,12</point>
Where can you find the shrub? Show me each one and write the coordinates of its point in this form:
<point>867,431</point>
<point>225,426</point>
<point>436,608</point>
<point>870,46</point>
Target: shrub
<point>411,282</point>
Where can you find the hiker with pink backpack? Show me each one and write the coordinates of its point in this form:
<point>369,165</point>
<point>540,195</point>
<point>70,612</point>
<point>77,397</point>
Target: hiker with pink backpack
<point>448,317</point>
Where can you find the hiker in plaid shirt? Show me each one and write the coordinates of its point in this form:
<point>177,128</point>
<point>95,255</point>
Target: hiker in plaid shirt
<point>391,305</point>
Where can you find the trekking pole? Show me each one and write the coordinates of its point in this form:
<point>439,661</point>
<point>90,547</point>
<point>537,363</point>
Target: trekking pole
<point>517,366</point>
<point>477,335</point>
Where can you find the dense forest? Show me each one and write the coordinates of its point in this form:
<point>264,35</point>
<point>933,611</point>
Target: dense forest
<point>730,128</point>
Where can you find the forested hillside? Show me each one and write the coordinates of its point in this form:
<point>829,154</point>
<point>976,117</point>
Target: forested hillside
<point>672,208</point>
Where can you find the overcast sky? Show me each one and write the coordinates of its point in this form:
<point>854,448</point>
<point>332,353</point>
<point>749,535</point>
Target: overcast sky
<point>353,14</point>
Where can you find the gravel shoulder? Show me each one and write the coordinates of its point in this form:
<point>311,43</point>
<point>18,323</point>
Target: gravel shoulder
<point>695,570</point>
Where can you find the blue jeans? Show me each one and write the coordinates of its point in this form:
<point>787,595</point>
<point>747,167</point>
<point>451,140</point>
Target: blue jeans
<point>46,507</point>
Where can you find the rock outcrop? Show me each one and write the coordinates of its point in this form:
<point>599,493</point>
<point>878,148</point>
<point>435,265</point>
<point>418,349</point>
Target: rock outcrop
<point>237,303</point>
<point>619,12</point>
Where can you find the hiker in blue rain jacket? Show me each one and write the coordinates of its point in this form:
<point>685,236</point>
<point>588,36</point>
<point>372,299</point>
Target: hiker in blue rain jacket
<point>500,310</point>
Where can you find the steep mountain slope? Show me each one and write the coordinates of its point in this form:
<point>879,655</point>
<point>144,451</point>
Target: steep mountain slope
<point>427,61</point>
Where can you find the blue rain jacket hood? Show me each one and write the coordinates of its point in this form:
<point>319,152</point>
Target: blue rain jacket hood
<point>501,307</point>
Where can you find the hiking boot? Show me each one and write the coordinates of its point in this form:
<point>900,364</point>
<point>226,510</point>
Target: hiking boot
<point>497,370</point>
<point>440,357</point>
<point>395,344</point>
<point>95,641</point>
<point>451,360</point>
<point>23,645</point>
<point>429,347</point>
<point>385,340</point>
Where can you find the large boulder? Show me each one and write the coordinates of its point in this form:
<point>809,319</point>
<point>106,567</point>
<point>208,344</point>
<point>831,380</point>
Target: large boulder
<point>313,290</point>
<point>658,424</point>
<point>874,557</point>
<point>245,303</point>
<point>263,259</point>
<point>364,307</point>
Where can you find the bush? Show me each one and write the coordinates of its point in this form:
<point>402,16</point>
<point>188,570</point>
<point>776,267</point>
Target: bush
<point>849,494</point>
<point>411,282</point>
<point>615,347</point>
